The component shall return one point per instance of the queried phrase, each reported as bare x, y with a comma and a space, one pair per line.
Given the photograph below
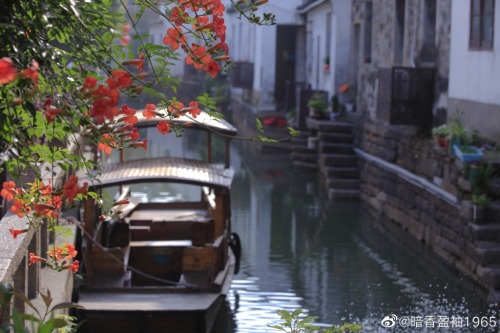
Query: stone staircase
304, 156
337, 161
329, 148
484, 251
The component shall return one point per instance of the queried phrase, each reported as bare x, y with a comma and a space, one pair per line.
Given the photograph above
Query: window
367, 48
328, 39
481, 24
428, 52
399, 31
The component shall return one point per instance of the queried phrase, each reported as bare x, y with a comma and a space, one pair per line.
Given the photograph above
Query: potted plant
479, 175
467, 153
317, 106
441, 136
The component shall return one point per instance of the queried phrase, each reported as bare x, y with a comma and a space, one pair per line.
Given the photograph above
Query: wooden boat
159, 265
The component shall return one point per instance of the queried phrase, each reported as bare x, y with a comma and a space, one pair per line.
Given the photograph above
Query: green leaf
266, 139
65, 305
285, 315
278, 327
18, 323
26, 301
293, 132
259, 125
47, 298
58, 323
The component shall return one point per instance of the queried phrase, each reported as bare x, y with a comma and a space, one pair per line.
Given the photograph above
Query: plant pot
313, 113
470, 154
442, 142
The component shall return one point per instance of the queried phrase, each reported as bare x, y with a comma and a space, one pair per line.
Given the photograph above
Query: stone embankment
427, 193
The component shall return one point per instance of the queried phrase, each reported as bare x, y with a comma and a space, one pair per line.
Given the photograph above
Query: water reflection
336, 261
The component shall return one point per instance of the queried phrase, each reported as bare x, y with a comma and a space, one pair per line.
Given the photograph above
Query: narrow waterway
336, 261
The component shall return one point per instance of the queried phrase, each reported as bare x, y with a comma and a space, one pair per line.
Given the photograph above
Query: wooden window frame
480, 43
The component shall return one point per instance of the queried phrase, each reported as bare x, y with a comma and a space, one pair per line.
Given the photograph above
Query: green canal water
336, 261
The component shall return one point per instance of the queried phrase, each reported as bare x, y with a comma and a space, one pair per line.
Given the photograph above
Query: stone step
335, 137
488, 253
341, 172
305, 157
299, 141
304, 150
336, 148
484, 232
339, 160
329, 126
343, 194
490, 276
275, 147
305, 166
343, 184
335, 126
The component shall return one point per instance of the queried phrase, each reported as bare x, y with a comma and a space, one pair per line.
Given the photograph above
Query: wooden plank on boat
185, 315
202, 258
165, 169
199, 259
167, 215
159, 259
202, 232
137, 301
161, 243
109, 260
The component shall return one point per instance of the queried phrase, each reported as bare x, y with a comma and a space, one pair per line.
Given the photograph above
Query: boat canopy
202, 121
165, 169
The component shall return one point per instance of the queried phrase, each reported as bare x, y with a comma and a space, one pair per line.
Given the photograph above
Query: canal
336, 260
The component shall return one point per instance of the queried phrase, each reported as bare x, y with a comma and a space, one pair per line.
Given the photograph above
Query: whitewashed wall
473, 74
473, 87
339, 45
257, 44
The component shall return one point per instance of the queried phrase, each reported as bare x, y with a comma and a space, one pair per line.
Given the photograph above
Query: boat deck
156, 215
144, 301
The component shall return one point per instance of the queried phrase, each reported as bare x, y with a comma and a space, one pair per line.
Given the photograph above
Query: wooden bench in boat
163, 244
172, 259
199, 232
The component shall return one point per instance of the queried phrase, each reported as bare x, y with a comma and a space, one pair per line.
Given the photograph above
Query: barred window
481, 24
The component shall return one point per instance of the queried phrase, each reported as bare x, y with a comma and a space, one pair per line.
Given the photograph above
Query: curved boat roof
202, 121
166, 169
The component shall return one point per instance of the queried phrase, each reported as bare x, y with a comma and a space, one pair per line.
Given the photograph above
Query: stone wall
409, 149
420, 48
424, 190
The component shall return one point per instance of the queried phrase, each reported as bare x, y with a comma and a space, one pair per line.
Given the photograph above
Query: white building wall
265, 64
473, 74
341, 45
257, 44
339, 53
317, 77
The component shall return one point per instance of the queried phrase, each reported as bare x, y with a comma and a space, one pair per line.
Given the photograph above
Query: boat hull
151, 313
